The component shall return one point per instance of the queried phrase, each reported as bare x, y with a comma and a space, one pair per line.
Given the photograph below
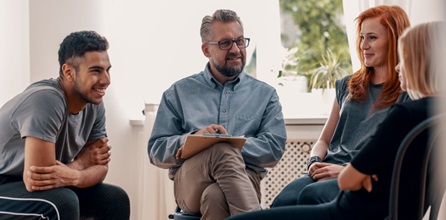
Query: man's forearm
75, 165
92, 176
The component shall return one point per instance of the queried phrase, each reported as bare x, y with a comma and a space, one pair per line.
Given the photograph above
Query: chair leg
435, 209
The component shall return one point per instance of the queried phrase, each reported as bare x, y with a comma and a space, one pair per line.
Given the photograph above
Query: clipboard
196, 143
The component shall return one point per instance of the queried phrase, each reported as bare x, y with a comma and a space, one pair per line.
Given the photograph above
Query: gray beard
229, 72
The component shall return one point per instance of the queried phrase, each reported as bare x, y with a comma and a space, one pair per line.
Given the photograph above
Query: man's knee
213, 200
66, 204
213, 194
104, 201
115, 198
114, 192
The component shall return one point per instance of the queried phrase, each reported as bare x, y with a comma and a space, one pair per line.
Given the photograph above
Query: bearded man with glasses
221, 180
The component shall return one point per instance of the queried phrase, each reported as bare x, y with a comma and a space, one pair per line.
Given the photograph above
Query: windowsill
302, 109
305, 121
306, 108
288, 121
137, 122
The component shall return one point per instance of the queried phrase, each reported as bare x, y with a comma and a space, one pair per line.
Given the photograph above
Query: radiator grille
290, 167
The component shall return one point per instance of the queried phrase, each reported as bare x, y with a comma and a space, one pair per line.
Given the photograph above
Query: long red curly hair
395, 19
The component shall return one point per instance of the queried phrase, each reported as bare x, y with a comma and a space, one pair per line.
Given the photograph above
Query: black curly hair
76, 44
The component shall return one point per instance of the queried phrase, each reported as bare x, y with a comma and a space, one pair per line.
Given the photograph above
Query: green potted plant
326, 73
319, 76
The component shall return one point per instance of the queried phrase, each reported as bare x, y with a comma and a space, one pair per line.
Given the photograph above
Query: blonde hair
419, 49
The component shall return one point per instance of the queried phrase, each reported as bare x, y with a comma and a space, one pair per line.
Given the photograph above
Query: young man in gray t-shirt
54, 148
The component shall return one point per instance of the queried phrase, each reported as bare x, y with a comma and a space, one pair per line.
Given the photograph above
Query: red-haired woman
362, 101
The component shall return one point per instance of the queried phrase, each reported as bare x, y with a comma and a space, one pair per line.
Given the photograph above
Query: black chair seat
178, 214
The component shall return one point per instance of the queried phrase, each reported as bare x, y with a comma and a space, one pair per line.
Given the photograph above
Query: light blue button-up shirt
244, 107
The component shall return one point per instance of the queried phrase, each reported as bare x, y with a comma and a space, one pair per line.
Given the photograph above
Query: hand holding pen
212, 129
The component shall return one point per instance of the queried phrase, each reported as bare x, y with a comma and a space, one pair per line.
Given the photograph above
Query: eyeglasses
227, 44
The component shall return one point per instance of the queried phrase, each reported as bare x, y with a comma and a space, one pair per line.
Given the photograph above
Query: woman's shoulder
342, 82
412, 108
342, 85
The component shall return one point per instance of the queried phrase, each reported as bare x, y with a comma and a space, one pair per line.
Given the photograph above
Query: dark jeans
340, 208
298, 212
102, 201
306, 191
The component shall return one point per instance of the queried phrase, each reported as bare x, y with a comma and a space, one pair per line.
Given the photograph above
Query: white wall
50, 21
14, 48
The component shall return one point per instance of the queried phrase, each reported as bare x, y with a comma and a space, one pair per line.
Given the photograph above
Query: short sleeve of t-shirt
98, 131
40, 115
341, 90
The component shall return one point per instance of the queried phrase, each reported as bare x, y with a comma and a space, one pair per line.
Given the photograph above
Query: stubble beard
83, 96
230, 71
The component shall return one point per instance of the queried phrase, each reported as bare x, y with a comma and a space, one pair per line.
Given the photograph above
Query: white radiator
290, 167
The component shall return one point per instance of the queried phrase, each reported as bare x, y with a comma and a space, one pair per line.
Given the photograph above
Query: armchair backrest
423, 177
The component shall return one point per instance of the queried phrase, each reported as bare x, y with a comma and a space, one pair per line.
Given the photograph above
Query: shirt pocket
248, 123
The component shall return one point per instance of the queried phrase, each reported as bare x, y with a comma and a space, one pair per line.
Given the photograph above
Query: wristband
313, 159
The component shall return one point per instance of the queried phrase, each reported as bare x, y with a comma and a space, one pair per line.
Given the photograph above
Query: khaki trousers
216, 183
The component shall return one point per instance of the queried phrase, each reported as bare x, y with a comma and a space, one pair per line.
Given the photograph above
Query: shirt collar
215, 83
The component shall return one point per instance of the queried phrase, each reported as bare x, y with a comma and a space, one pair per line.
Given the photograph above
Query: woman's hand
324, 171
367, 182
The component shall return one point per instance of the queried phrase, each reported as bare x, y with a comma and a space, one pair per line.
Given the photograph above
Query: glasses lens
225, 44
246, 41
241, 43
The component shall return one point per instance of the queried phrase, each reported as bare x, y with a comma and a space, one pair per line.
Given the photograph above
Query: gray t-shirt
41, 112
356, 122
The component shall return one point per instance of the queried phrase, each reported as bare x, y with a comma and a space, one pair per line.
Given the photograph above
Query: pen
216, 135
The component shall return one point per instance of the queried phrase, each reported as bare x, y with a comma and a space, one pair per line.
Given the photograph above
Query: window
314, 53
